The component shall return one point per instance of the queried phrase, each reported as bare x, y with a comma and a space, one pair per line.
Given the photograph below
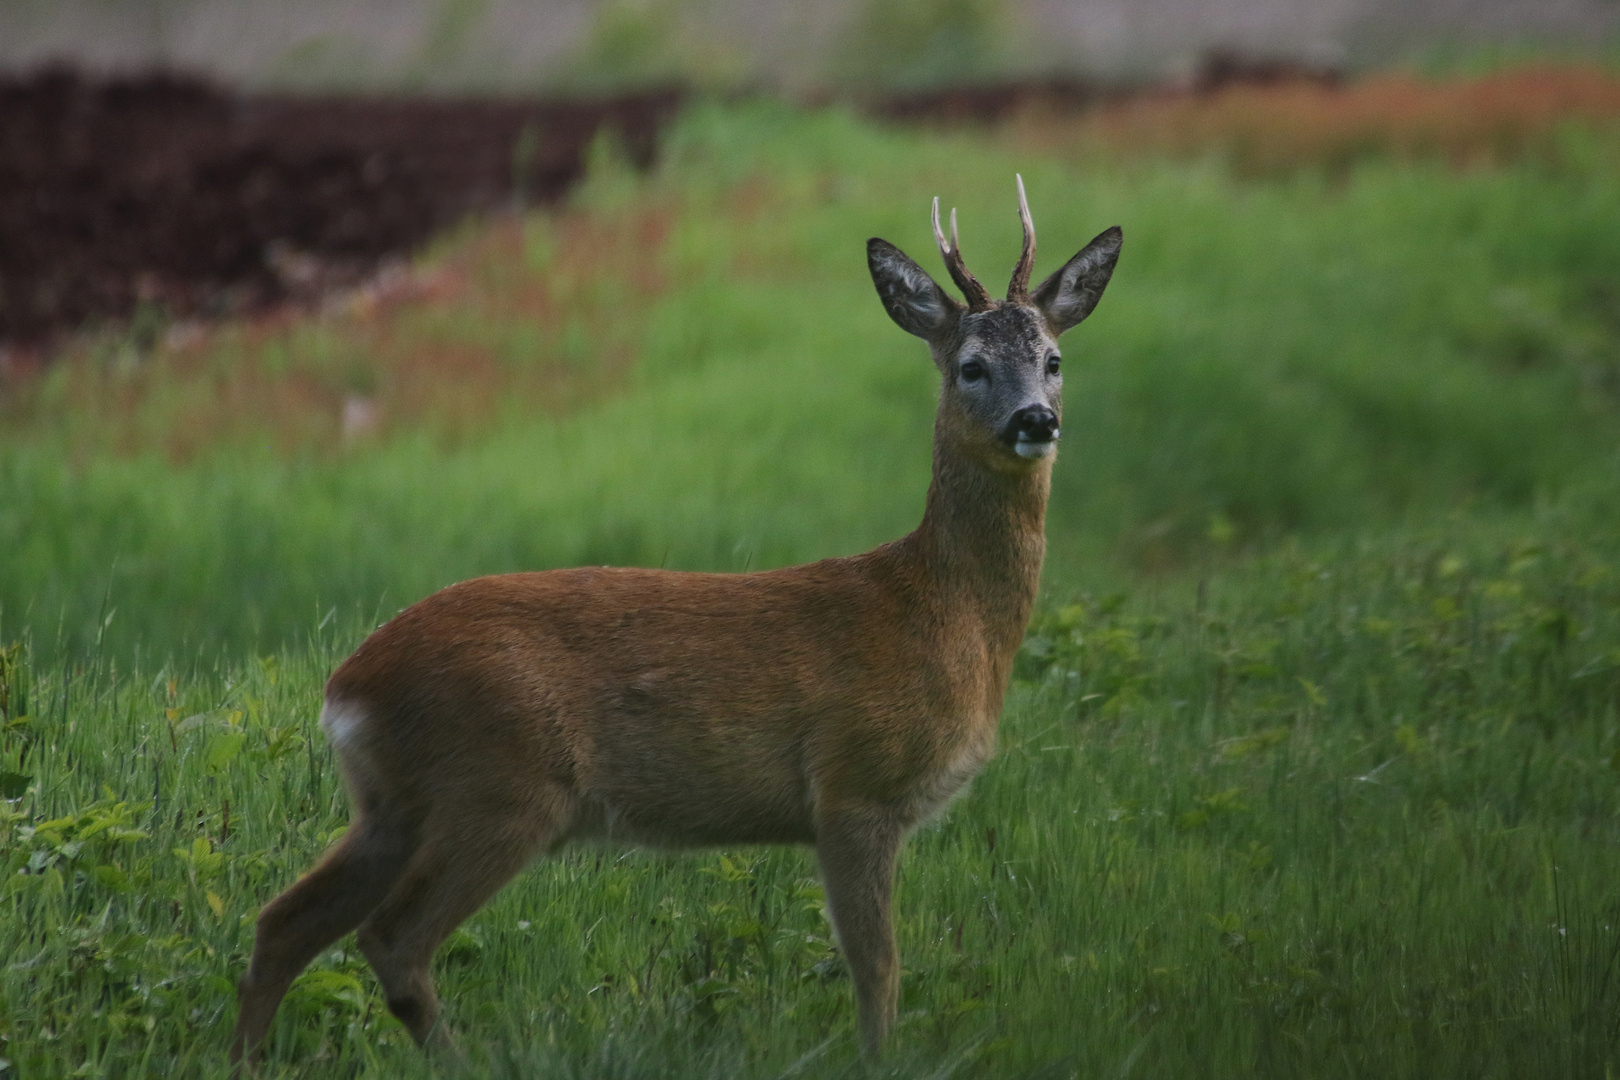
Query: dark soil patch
171, 193
992, 103
165, 196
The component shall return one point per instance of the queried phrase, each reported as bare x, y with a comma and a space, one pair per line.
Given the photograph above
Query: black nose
1035, 423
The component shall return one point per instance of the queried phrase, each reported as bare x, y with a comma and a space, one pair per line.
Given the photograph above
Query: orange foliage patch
1274, 129
517, 317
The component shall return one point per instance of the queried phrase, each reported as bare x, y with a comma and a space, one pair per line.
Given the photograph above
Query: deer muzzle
1033, 431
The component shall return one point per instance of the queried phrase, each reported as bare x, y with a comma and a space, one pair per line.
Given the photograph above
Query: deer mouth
1031, 432
1034, 449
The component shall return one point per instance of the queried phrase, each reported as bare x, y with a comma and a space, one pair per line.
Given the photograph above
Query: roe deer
835, 704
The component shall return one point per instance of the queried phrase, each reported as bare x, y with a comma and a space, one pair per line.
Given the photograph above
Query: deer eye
1054, 364
971, 371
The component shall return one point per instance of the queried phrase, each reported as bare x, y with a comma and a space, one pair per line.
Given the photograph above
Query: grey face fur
1000, 363
1006, 365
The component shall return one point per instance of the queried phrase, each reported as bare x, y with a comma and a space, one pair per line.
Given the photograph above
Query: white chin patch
1027, 449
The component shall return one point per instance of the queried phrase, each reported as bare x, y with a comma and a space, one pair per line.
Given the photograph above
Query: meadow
1311, 765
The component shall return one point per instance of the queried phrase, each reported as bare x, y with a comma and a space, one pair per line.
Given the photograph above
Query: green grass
1311, 766
1339, 818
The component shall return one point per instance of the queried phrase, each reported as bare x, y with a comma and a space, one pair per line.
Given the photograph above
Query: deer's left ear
1068, 296
909, 295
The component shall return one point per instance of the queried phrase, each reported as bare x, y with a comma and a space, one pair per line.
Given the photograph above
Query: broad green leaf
223, 748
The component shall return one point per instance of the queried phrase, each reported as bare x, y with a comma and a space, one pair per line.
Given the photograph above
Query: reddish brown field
1264, 130
510, 315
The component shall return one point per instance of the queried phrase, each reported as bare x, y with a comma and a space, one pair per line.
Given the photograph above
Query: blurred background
511, 45
315, 307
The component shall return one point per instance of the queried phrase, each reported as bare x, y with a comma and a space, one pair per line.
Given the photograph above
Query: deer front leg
857, 848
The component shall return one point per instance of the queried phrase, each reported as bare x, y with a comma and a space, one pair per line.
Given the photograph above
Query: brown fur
835, 704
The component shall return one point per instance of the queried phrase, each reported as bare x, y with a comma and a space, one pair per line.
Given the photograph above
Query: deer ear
1068, 296
909, 295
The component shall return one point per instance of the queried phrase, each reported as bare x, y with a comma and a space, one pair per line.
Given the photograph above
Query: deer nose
1035, 423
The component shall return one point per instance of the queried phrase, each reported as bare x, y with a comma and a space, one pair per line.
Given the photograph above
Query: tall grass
1347, 817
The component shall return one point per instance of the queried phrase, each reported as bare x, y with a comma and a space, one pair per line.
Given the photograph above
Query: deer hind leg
857, 850
451, 876
319, 908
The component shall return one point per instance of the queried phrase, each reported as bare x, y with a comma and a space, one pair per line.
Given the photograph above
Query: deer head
998, 359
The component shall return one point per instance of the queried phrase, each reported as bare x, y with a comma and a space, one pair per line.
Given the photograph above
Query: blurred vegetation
1472, 58
632, 44
445, 38
1312, 760
511, 46
907, 44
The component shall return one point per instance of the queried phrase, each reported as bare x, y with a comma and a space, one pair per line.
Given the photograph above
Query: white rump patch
342, 723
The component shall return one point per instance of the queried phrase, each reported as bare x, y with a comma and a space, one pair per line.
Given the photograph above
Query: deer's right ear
909, 295
1068, 296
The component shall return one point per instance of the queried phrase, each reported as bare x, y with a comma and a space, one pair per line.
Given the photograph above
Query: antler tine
1018, 290
978, 297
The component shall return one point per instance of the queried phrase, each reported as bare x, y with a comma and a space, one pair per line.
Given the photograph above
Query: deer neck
983, 538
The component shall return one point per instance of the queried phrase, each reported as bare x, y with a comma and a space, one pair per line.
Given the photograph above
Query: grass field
1312, 762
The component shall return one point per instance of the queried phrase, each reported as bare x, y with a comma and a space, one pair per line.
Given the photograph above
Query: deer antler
977, 296
1018, 290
